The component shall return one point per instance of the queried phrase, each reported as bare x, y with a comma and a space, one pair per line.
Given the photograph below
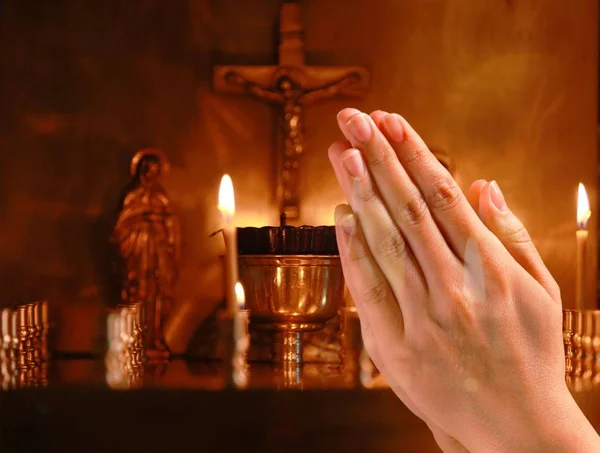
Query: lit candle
240, 323
583, 215
227, 208
241, 341
240, 296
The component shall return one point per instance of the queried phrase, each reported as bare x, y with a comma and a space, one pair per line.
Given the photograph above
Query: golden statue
148, 239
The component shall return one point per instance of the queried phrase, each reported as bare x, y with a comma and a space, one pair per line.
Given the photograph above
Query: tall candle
583, 215
227, 208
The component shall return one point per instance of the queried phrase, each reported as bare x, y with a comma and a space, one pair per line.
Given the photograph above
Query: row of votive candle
581, 335
24, 339
125, 355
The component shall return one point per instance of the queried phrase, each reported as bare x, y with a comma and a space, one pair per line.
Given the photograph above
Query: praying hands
458, 311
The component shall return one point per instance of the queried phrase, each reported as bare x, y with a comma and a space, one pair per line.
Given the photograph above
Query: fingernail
497, 197
348, 224
360, 128
393, 127
353, 162
377, 116
345, 114
345, 219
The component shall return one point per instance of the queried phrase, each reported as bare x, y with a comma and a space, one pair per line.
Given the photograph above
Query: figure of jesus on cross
293, 85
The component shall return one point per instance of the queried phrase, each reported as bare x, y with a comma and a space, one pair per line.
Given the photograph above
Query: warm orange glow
255, 217
583, 207
240, 296
318, 209
226, 198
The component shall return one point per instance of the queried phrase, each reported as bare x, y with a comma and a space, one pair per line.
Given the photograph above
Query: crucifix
292, 84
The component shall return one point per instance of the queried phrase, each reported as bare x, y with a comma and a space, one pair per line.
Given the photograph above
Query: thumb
500, 220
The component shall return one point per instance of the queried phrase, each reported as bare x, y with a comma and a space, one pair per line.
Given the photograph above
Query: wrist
557, 424
567, 429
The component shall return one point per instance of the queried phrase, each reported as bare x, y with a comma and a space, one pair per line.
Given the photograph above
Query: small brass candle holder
581, 337
37, 331
45, 333
132, 342
14, 336
125, 353
23, 346
20, 347
577, 342
114, 358
14, 330
587, 344
7, 353
33, 352
568, 341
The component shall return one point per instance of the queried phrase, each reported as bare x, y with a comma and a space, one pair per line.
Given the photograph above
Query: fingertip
377, 115
483, 202
345, 219
345, 114
353, 162
334, 153
474, 192
488, 213
478, 184
342, 210
491, 201
497, 197
343, 118
337, 148
392, 126
513, 235
409, 135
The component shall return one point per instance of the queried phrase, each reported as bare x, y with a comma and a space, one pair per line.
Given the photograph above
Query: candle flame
583, 207
240, 296
226, 198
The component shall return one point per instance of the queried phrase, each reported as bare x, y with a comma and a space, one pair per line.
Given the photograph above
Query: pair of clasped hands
457, 309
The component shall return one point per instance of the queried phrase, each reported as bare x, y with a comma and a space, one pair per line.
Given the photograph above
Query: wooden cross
291, 84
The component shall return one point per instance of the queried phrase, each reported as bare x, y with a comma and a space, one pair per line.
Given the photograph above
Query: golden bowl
291, 294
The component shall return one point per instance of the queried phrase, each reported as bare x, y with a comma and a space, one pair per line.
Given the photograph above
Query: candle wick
282, 219
215, 233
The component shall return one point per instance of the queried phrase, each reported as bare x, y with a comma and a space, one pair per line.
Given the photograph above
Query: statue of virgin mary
147, 237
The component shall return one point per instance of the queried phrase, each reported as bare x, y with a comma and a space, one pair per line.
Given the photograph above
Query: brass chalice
293, 282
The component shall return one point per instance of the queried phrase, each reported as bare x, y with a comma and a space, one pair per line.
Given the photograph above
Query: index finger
399, 195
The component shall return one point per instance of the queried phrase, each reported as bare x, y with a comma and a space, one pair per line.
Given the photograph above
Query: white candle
583, 215
240, 296
227, 208
240, 326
